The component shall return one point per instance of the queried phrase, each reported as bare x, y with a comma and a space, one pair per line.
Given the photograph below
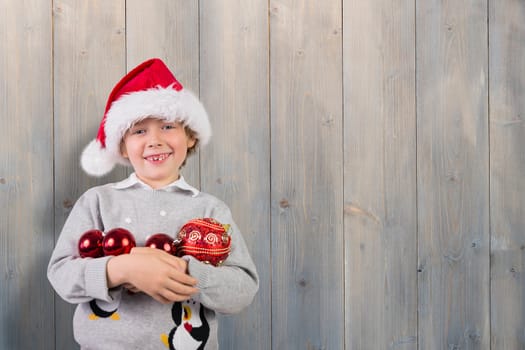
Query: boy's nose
154, 144
154, 140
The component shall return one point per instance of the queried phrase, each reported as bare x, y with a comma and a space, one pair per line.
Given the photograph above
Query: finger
179, 288
149, 251
131, 288
144, 250
183, 278
170, 296
161, 299
174, 261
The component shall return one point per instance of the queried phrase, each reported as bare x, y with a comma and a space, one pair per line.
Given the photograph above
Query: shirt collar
134, 181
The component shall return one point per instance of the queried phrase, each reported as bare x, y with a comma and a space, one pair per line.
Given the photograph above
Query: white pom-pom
95, 160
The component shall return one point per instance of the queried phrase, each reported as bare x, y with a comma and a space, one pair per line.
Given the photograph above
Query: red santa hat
148, 90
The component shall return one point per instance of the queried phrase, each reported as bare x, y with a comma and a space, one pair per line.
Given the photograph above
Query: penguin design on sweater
104, 309
191, 329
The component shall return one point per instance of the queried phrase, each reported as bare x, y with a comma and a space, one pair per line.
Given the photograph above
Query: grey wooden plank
306, 175
507, 173
453, 181
89, 59
168, 30
380, 175
26, 175
236, 165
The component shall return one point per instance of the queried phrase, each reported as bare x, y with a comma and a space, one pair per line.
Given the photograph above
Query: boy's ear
191, 142
123, 150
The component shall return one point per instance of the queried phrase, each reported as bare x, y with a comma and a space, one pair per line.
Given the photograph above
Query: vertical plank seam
199, 80
126, 42
416, 172
489, 177
270, 215
343, 169
53, 299
128, 170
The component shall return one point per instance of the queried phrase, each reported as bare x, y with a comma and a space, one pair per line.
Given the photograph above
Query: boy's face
156, 149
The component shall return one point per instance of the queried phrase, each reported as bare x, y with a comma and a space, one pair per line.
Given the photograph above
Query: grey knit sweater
116, 319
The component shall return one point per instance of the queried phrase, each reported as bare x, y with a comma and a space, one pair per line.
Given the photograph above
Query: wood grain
453, 175
26, 175
380, 175
507, 173
307, 175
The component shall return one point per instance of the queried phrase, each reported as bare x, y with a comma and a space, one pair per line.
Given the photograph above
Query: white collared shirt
133, 181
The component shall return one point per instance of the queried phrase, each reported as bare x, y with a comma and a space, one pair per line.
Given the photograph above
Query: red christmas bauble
162, 241
206, 239
118, 241
90, 244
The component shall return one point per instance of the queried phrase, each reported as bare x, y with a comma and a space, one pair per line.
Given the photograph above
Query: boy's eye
169, 126
138, 131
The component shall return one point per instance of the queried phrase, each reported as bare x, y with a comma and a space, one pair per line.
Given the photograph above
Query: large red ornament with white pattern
206, 239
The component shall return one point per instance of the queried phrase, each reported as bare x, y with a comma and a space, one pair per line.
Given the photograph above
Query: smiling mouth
157, 157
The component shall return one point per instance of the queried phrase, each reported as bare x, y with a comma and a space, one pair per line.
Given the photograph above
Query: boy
148, 299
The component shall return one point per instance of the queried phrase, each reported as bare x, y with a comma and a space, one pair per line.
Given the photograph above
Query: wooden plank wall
370, 150
26, 174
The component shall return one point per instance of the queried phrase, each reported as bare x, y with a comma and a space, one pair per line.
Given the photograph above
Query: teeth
158, 158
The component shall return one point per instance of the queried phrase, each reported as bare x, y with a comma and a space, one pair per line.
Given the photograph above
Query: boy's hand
160, 275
